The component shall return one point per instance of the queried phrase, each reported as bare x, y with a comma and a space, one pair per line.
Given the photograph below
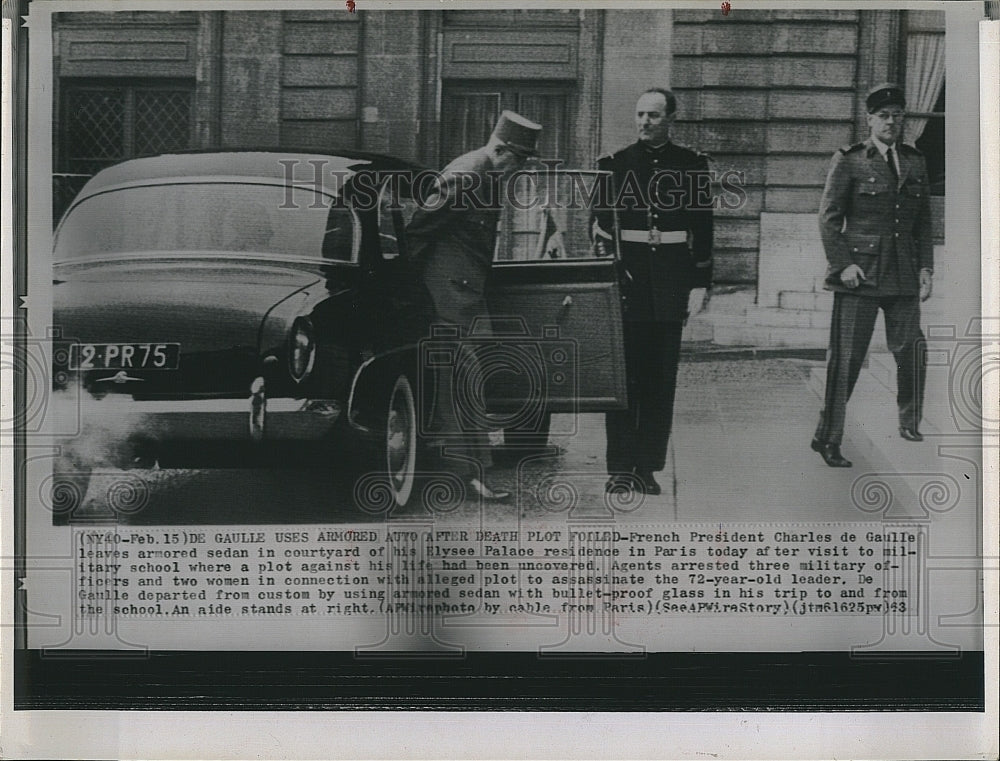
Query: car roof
258, 164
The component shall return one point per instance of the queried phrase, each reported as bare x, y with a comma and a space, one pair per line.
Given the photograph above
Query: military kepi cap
518, 134
885, 94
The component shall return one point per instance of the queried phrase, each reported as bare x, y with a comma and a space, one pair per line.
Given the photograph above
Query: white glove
697, 301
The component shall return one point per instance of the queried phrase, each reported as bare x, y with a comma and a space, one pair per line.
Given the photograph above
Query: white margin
411, 734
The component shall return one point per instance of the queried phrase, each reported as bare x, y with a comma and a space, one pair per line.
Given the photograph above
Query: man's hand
697, 301
600, 238
926, 284
852, 275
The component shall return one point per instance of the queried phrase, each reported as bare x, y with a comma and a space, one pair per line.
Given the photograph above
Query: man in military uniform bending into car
876, 228
453, 241
664, 204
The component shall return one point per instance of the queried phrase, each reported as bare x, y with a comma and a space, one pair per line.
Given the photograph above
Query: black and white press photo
543, 341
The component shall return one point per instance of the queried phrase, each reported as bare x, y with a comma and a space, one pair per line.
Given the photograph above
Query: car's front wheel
400, 449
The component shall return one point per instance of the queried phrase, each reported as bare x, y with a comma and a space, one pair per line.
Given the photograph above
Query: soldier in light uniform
453, 241
876, 227
664, 204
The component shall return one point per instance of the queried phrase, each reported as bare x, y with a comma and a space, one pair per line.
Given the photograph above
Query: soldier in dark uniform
453, 240
664, 203
876, 228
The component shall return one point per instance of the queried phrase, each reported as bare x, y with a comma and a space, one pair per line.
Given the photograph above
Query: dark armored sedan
249, 308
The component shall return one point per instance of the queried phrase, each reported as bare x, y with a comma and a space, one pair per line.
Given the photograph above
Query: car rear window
278, 220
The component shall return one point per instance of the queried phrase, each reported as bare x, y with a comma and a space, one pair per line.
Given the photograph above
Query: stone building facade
770, 93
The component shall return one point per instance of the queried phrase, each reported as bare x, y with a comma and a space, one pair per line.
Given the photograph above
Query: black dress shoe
910, 434
485, 493
831, 454
647, 482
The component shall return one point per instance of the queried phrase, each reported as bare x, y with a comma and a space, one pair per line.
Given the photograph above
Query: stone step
705, 326
787, 318
699, 329
819, 281
770, 336
734, 320
805, 300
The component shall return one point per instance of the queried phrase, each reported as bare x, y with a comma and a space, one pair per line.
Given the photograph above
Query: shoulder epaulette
852, 148
911, 149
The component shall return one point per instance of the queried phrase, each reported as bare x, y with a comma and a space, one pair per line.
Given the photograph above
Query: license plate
123, 356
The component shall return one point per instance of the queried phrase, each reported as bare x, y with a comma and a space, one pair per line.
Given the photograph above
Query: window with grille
105, 122
469, 112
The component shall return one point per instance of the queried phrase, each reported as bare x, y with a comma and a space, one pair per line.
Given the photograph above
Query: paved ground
739, 453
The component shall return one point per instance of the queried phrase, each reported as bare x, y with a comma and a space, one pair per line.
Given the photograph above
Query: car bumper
238, 420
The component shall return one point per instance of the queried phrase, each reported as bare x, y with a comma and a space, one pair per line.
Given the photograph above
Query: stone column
251, 77
637, 55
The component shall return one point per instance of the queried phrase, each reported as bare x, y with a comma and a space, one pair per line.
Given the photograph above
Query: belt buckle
654, 237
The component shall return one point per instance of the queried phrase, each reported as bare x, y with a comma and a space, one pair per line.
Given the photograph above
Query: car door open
554, 297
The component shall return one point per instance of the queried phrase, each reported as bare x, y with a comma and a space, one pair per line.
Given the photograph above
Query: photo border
77, 683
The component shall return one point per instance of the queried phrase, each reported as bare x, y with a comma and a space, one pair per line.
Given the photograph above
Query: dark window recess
106, 122
467, 120
931, 143
94, 128
470, 110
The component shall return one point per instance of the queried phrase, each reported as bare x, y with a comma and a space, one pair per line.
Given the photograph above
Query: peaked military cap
518, 134
885, 94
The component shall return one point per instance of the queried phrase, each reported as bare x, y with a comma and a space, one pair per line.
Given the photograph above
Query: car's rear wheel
401, 440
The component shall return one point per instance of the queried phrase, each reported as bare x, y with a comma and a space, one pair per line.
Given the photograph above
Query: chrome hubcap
401, 440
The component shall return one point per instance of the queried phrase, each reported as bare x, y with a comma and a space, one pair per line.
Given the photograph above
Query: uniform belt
654, 237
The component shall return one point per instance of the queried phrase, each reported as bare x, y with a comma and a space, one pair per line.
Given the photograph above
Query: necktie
890, 160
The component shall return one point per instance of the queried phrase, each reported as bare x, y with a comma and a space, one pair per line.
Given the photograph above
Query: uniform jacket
665, 189
453, 239
866, 218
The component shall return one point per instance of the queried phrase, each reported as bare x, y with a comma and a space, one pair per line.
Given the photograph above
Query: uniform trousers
851, 328
637, 437
455, 423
